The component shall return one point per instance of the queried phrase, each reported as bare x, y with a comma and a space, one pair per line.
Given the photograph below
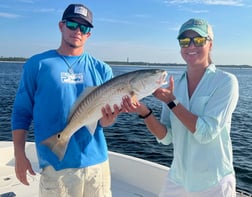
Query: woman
196, 118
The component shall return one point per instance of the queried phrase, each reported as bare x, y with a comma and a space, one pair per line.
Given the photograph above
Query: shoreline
120, 63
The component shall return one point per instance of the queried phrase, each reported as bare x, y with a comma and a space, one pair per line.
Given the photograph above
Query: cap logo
80, 10
194, 22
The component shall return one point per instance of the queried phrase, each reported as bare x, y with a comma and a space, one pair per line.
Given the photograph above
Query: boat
131, 176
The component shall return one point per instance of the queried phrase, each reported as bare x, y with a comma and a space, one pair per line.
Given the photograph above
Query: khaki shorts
225, 188
92, 181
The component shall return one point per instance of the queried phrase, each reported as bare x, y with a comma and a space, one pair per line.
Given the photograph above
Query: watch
173, 104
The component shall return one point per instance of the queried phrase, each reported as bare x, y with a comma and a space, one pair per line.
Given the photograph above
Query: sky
129, 30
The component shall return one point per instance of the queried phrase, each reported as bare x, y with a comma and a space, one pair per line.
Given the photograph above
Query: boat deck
124, 184
131, 177
9, 184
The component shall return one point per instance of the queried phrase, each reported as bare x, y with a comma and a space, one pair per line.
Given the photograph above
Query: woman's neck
194, 75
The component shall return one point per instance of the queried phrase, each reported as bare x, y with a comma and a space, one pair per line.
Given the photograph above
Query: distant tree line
142, 63
21, 59
165, 64
108, 62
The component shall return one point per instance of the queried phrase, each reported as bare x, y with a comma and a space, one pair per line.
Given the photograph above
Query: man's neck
70, 51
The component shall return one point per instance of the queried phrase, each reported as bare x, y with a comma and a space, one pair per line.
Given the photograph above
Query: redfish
87, 109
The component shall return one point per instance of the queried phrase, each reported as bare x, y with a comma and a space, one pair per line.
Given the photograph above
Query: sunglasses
74, 25
197, 41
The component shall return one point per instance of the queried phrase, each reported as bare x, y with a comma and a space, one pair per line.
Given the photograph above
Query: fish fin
91, 127
57, 144
87, 91
80, 98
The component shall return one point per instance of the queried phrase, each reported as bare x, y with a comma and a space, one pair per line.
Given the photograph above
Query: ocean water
129, 134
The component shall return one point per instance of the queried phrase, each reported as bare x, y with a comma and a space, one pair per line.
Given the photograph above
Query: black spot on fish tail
57, 144
132, 93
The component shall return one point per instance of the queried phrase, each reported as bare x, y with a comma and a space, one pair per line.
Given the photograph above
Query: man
50, 84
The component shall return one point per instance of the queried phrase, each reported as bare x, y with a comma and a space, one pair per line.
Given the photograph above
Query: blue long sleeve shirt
46, 94
202, 159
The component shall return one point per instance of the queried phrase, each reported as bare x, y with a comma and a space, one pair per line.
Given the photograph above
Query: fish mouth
162, 79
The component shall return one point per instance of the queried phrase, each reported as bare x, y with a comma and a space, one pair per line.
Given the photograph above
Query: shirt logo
73, 78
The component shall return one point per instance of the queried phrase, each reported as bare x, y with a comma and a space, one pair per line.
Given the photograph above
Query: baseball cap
78, 11
198, 25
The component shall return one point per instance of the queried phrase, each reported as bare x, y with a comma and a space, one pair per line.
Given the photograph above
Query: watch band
173, 104
147, 115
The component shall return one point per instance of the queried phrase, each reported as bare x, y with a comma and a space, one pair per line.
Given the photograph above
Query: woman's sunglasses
197, 41
74, 25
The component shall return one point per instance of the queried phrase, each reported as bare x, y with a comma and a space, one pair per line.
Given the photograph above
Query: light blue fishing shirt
46, 94
202, 159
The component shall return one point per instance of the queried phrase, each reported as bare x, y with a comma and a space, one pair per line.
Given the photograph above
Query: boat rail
242, 193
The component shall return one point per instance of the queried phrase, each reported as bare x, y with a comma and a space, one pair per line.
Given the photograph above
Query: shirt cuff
166, 140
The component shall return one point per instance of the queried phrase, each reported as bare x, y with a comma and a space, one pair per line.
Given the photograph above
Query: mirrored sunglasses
197, 41
74, 25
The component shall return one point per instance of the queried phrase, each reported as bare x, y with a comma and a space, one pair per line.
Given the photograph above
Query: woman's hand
134, 107
166, 94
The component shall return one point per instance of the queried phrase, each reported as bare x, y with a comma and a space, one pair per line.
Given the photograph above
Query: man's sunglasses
74, 25
197, 41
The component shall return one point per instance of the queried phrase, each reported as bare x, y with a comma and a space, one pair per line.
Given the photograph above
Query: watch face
173, 104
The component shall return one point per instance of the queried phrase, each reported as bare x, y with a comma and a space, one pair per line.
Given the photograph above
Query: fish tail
57, 144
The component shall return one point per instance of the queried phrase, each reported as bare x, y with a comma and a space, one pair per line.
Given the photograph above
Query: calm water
129, 134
